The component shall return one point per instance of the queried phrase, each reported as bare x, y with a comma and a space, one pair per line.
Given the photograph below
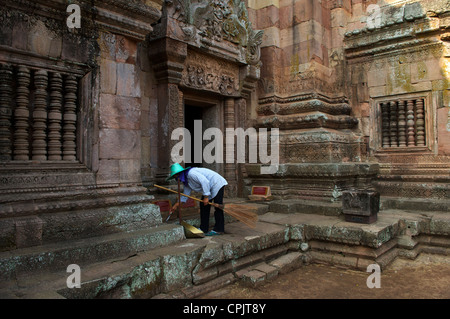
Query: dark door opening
192, 113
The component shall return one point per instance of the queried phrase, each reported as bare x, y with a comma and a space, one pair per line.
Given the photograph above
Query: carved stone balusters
39, 145
401, 124
393, 127
21, 115
5, 111
54, 118
420, 123
385, 124
70, 119
410, 123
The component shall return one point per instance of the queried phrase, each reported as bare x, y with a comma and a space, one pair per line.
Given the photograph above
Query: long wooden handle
194, 198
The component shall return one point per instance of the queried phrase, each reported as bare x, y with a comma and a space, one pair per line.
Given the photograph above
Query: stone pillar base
312, 181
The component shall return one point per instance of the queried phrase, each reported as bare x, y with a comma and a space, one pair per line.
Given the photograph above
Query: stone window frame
375, 139
82, 74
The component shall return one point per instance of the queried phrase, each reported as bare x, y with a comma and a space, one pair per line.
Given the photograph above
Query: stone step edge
250, 270
252, 275
58, 256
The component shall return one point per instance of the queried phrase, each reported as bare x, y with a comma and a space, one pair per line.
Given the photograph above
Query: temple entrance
192, 114
199, 116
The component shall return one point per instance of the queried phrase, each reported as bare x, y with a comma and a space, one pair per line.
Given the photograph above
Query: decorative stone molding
308, 111
205, 73
208, 23
316, 181
129, 18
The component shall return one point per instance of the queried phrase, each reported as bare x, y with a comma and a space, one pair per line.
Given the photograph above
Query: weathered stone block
288, 262
108, 171
360, 206
120, 144
128, 83
7, 234
108, 76
254, 278
204, 276
130, 171
28, 231
125, 50
178, 266
270, 271
119, 112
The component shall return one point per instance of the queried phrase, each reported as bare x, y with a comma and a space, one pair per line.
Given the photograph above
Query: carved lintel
205, 73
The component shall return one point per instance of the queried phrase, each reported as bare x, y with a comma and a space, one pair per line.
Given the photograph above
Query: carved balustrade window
403, 123
38, 114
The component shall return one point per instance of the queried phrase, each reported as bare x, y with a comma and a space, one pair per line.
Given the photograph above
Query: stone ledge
55, 257
291, 206
307, 227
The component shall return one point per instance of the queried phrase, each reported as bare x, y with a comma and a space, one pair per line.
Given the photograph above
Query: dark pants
218, 214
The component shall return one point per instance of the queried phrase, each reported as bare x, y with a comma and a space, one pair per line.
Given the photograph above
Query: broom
243, 215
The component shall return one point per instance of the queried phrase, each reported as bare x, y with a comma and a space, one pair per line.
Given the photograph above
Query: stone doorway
192, 114
199, 116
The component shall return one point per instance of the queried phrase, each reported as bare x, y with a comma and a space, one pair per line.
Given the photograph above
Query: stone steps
57, 256
279, 243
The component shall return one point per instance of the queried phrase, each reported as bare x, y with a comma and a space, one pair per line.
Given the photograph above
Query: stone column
170, 117
40, 116
5, 111
420, 123
70, 119
167, 57
55, 117
410, 122
21, 114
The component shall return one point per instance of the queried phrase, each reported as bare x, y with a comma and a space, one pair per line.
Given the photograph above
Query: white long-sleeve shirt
203, 180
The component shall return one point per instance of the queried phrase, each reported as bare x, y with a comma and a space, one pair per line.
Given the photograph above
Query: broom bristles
244, 215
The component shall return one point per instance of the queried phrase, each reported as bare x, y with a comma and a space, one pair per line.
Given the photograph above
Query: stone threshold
280, 243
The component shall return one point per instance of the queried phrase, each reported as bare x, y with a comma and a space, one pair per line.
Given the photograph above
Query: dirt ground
427, 277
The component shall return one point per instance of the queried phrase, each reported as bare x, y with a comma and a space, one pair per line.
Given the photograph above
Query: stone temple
358, 91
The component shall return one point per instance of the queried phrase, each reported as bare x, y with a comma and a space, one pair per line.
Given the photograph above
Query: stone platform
187, 268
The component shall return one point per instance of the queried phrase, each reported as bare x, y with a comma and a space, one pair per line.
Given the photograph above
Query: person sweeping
211, 185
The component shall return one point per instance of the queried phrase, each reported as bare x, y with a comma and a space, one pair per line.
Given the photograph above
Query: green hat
175, 169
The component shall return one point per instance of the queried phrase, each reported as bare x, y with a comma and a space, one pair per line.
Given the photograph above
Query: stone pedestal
360, 206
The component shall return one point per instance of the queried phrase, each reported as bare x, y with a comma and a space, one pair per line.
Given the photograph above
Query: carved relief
217, 20
202, 72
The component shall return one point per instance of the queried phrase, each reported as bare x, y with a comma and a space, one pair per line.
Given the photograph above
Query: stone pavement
188, 268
